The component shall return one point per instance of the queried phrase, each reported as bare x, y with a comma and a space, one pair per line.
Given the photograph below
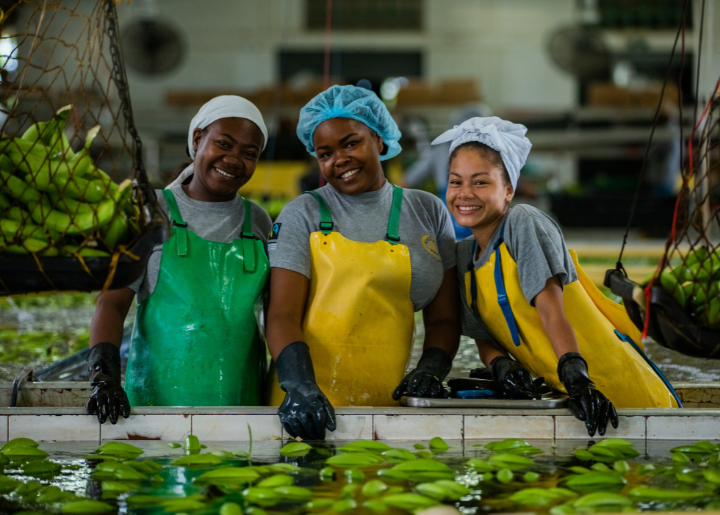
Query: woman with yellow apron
195, 340
351, 263
525, 295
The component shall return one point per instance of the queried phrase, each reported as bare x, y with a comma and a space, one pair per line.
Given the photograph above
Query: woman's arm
586, 402
288, 296
488, 352
108, 399
305, 411
110, 312
549, 304
442, 338
442, 316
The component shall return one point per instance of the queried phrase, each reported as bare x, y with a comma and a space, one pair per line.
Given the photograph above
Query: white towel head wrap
224, 106
506, 137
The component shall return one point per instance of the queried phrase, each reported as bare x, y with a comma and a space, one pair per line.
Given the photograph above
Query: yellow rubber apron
359, 318
606, 335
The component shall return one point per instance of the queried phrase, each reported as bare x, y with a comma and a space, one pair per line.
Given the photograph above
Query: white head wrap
506, 137
224, 106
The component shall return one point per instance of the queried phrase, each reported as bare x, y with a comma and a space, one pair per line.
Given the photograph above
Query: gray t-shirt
425, 228
215, 221
535, 242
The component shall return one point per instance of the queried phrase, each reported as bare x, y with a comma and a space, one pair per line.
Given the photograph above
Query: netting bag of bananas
678, 304
76, 209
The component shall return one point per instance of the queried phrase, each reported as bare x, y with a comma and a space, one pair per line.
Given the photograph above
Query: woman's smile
346, 176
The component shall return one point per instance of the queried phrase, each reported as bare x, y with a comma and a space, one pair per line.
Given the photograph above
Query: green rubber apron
195, 341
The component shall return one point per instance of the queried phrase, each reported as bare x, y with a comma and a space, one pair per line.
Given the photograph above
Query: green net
77, 209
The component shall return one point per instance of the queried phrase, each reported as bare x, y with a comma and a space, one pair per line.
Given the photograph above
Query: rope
113, 265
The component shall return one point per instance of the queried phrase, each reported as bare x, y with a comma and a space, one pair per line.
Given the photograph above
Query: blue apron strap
627, 339
500, 286
502, 292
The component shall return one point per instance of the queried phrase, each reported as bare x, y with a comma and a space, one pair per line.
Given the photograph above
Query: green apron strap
248, 239
394, 220
180, 225
326, 223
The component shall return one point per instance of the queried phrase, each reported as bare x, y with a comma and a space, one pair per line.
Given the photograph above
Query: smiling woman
195, 340
525, 296
351, 263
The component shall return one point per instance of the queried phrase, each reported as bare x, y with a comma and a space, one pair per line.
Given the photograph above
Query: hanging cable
697, 71
328, 41
671, 238
636, 197
277, 104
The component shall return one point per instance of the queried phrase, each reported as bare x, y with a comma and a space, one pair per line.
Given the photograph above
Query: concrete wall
234, 44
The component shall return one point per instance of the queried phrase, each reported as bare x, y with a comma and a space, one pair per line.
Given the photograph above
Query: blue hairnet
349, 102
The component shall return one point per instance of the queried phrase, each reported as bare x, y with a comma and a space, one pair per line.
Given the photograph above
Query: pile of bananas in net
695, 285
55, 201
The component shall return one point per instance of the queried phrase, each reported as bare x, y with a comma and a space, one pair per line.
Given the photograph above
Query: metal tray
418, 402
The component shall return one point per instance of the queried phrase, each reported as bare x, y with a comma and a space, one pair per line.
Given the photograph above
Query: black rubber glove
426, 380
586, 402
515, 381
305, 412
108, 399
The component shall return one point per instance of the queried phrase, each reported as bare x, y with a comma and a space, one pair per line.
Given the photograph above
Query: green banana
32, 157
670, 282
69, 205
84, 252
697, 272
4, 202
74, 187
52, 134
12, 229
696, 291
117, 230
16, 187
73, 224
29, 245
698, 255
713, 313
82, 164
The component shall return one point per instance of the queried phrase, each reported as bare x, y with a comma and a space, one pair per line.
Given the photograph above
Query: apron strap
473, 298
248, 239
502, 292
326, 223
627, 339
392, 235
178, 222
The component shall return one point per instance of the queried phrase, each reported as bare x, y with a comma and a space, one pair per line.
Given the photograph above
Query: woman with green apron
351, 264
195, 340
532, 311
